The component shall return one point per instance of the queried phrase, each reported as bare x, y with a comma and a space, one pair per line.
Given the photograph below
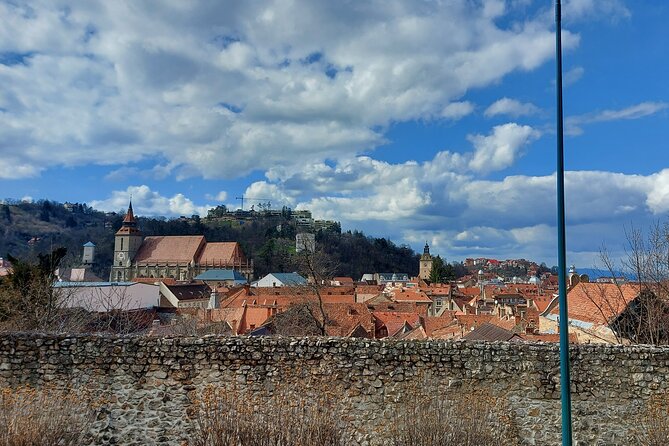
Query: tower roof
130, 215
129, 225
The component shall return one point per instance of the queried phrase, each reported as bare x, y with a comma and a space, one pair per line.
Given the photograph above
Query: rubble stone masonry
151, 382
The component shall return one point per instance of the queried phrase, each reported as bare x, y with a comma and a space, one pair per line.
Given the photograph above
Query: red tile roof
221, 253
343, 319
598, 303
394, 321
411, 296
172, 249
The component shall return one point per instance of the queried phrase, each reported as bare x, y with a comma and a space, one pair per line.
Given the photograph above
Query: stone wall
150, 382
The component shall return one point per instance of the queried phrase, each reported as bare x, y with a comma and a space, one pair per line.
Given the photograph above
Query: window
121, 244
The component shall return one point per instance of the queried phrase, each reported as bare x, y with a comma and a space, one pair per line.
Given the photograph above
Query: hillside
268, 237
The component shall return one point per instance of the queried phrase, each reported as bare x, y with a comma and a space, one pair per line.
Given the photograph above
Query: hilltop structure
175, 257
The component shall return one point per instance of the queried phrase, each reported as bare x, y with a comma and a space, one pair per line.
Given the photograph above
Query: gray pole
562, 248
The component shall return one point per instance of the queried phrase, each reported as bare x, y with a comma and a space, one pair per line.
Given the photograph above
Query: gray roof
290, 278
221, 274
89, 245
489, 332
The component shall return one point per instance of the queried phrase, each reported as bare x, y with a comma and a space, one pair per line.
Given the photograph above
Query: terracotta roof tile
172, 248
411, 296
223, 253
394, 321
598, 303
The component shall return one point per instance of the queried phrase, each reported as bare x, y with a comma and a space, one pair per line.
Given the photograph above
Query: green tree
441, 271
27, 299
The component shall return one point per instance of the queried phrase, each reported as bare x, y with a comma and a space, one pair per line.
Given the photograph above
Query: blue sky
409, 120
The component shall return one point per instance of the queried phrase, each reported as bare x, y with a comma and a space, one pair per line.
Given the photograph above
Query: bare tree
637, 311
318, 269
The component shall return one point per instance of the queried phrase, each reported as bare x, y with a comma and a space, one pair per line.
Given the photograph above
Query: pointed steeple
426, 249
129, 224
130, 215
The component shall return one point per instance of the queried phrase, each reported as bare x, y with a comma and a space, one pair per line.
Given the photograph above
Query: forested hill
27, 229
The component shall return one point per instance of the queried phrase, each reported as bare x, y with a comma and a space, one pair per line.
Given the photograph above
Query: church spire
426, 249
130, 215
129, 224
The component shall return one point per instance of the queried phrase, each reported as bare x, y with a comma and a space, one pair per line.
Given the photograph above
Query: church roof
221, 253
172, 248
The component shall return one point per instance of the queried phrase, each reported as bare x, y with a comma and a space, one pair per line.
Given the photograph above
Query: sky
412, 120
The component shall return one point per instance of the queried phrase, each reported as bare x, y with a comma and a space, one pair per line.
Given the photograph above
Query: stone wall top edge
325, 341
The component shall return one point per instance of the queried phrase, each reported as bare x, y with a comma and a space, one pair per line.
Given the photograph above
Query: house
280, 279
418, 298
394, 323
393, 279
177, 257
593, 309
108, 296
185, 295
222, 278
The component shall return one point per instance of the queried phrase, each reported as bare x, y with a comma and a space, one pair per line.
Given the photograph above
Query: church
181, 257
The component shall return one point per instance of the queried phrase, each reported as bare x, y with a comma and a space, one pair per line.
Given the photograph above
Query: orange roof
541, 302
394, 321
411, 296
172, 248
368, 289
598, 303
435, 323
343, 280
344, 318
473, 320
470, 291
549, 337
221, 253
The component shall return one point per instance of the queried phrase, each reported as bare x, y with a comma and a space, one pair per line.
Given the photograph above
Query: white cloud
572, 76
573, 124
511, 107
247, 86
150, 203
221, 196
457, 110
501, 148
600, 9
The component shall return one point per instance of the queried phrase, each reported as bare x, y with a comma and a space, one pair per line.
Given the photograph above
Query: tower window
121, 244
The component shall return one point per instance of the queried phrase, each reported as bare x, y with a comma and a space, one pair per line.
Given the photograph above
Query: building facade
175, 257
425, 263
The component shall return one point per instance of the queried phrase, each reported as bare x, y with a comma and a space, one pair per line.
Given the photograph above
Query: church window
121, 244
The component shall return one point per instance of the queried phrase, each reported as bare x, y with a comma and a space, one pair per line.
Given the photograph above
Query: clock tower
425, 263
127, 241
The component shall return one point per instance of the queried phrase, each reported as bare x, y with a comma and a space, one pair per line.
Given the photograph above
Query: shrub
653, 423
467, 418
44, 417
225, 418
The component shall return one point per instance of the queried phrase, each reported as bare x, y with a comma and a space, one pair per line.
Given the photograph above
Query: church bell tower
127, 241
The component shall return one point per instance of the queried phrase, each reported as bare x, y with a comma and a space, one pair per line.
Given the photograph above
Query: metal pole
562, 263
